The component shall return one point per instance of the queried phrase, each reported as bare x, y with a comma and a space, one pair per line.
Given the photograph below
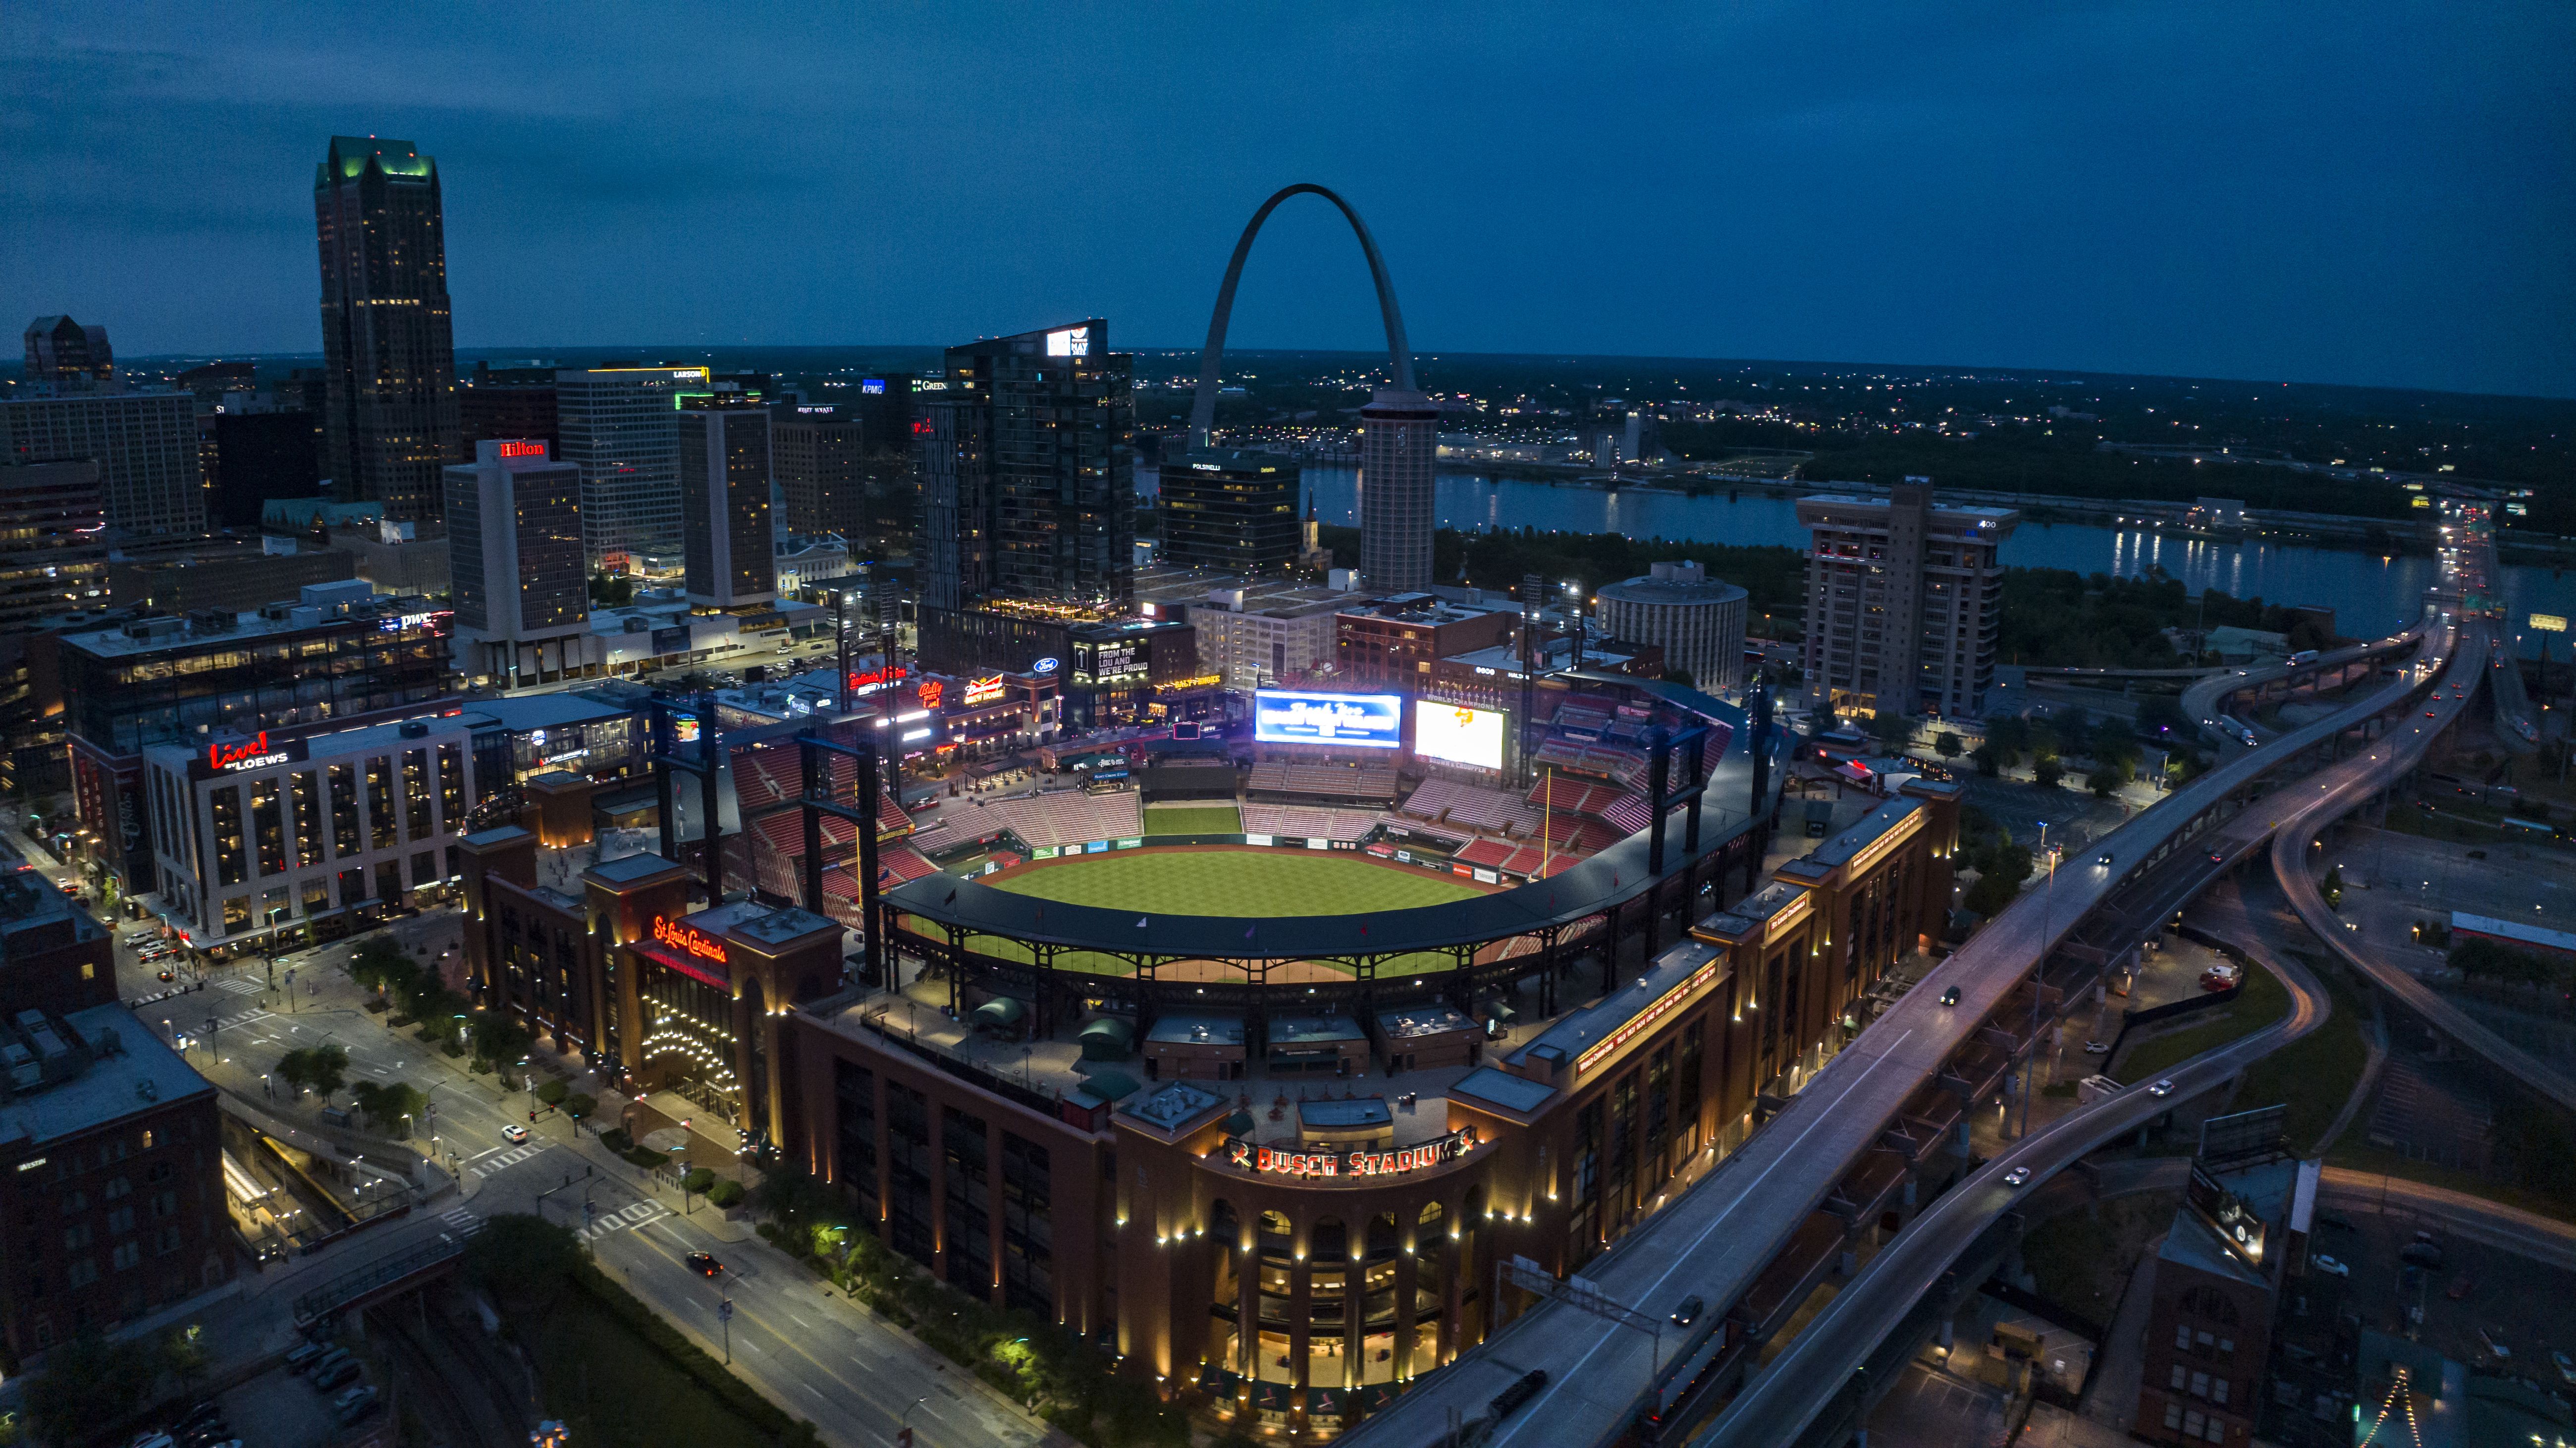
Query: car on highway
1950, 997
2161, 1088
2097, 1048
704, 1264
2494, 1343
2016, 1176
2330, 1266
2216, 858
2431, 714
1689, 1311
2103, 858
514, 1133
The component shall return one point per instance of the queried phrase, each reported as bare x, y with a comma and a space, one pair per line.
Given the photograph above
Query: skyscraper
514, 552
728, 540
620, 425
847, 467
62, 350
388, 353
1230, 511
1902, 601
145, 445
1399, 442
1028, 481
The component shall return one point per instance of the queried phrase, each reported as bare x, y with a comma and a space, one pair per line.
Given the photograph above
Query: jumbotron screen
1362, 721
1458, 734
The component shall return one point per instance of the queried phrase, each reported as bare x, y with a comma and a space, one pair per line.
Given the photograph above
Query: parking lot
2518, 1302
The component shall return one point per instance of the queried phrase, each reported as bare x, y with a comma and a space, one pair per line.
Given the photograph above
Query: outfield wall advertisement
1361, 721
1458, 734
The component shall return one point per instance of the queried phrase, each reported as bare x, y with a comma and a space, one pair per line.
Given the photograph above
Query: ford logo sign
1043, 666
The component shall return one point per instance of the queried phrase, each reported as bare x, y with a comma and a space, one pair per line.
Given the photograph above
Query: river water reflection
2367, 592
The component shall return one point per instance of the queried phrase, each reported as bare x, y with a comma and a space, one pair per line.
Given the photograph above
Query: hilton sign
1272, 1161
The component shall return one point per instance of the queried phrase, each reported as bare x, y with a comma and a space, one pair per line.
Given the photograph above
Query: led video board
1458, 734
1363, 721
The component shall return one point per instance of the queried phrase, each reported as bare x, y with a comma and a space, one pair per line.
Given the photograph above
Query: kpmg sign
1365, 721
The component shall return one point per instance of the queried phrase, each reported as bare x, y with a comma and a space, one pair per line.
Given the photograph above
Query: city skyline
2391, 205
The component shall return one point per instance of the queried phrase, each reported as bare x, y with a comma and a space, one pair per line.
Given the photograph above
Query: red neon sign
229, 756
877, 678
930, 693
688, 939
523, 449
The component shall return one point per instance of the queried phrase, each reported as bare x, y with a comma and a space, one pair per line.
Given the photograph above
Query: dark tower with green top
388, 351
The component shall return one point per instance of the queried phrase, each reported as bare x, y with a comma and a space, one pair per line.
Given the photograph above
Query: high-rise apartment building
1903, 601
1698, 621
847, 467
1399, 442
145, 445
515, 554
729, 541
388, 353
1028, 474
621, 426
62, 350
1230, 511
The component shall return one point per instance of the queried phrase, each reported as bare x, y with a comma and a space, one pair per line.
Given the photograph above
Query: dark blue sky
2349, 192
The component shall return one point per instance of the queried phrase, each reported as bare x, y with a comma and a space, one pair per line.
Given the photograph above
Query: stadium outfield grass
1242, 883
1192, 819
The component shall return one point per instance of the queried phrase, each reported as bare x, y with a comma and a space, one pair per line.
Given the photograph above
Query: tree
1946, 744
2333, 888
525, 1262
1989, 895
386, 1105
183, 1353
1891, 729
1988, 759
552, 1091
382, 966
612, 590
318, 1069
2047, 771
88, 1381
2107, 778
580, 1104
498, 1038
2161, 715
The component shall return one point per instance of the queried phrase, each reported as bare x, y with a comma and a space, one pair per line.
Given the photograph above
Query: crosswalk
241, 985
506, 1159
462, 1222
633, 1216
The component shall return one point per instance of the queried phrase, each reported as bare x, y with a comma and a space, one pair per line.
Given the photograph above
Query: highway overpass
1717, 1239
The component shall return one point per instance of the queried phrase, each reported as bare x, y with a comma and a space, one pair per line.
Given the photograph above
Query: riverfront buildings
1903, 601
1697, 620
388, 354
1230, 512
1399, 443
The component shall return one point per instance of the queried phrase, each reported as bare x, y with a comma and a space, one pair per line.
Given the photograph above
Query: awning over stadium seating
1108, 1039
1000, 1013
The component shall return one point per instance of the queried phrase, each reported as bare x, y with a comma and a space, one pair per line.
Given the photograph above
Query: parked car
331, 1358
2330, 1266
335, 1375
1689, 1311
360, 1397
305, 1352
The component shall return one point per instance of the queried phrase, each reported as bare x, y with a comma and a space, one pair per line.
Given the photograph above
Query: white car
2097, 1048
2016, 1176
2161, 1088
2330, 1266
514, 1133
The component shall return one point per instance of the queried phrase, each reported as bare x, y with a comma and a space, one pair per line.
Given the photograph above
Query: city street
809, 1349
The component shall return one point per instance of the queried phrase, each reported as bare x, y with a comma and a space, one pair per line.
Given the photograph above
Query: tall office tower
515, 553
62, 350
1399, 442
507, 402
725, 513
389, 356
1229, 511
1903, 600
817, 451
145, 445
1027, 467
621, 426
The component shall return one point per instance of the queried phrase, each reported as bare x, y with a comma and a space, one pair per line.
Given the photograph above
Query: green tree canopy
381, 965
525, 1262
386, 1105
87, 1382
321, 1070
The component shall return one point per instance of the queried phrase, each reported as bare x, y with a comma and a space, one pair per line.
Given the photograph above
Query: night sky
2353, 192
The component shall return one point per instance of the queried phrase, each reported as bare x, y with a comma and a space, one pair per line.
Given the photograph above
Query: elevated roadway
2347, 787
1715, 1239
1797, 1387
2203, 702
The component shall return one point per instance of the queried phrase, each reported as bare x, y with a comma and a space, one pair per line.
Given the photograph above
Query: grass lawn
610, 1385
2264, 1001
2358, 1154
1243, 883
2315, 1074
2084, 1263
1193, 819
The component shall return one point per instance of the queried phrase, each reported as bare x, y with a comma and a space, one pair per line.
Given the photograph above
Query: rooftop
1580, 1030
1189, 1028
541, 711
130, 1070
1433, 1018
1345, 1114
1486, 1086
1843, 848
629, 869
2193, 1243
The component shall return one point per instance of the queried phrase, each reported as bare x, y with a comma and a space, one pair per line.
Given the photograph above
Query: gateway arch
1399, 428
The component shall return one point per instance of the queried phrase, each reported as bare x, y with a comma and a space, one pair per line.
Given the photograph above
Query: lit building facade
1229, 511
389, 422
728, 538
151, 477
1399, 447
1904, 599
621, 427
514, 545
1697, 621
